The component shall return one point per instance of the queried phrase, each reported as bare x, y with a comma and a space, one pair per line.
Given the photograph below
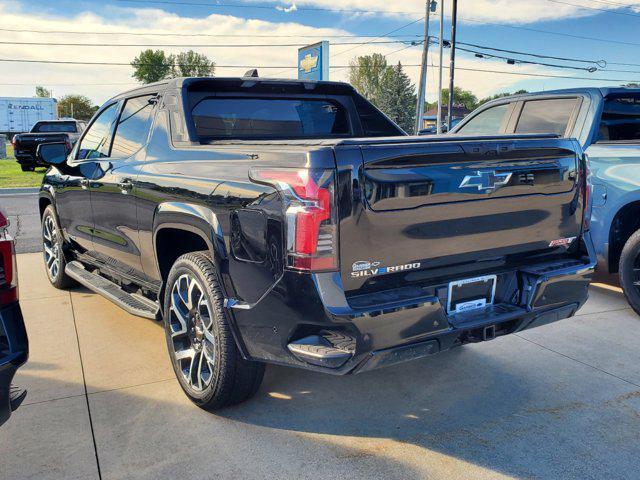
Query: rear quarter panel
615, 179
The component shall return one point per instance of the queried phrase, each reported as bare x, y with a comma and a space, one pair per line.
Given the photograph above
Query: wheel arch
193, 227
185, 228
623, 224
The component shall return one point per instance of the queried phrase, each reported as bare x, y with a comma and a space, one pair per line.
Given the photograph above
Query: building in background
430, 116
19, 114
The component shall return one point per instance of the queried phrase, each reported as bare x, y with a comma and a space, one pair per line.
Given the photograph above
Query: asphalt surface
558, 402
24, 218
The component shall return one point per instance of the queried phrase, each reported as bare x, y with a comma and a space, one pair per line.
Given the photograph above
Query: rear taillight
8, 272
309, 207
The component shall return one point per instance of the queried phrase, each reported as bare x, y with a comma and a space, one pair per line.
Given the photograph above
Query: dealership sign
313, 62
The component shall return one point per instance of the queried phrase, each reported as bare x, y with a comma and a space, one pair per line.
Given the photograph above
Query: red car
14, 346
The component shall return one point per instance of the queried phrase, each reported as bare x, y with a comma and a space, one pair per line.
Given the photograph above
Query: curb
19, 191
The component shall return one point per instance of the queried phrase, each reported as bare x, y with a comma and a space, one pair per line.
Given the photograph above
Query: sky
600, 33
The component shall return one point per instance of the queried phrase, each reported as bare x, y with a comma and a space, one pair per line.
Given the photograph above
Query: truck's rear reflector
309, 205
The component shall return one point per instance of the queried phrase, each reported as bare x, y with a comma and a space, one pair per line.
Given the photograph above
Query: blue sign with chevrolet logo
313, 62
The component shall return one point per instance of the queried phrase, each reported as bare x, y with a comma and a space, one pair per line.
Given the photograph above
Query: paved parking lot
562, 401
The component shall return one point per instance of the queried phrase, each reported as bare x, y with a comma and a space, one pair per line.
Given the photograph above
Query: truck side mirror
52, 153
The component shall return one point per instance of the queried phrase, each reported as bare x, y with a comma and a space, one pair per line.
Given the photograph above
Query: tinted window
546, 116
487, 122
374, 123
620, 118
69, 127
238, 118
133, 127
95, 143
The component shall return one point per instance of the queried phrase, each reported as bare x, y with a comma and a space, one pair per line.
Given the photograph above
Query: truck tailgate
458, 203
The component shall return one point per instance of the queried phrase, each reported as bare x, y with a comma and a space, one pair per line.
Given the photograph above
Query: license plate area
471, 294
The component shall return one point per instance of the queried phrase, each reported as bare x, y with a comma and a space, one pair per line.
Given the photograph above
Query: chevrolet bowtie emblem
486, 180
307, 63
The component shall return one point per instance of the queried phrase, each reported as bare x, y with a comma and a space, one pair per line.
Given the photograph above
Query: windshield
269, 118
49, 127
620, 118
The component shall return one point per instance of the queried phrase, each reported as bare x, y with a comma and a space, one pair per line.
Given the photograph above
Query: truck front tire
204, 355
53, 250
629, 271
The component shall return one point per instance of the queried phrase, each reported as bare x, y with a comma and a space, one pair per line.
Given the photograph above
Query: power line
528, 62
600, 63
293, 67
212, 35
204, 45
585, 7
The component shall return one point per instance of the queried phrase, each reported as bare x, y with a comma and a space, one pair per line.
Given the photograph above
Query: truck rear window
269, 118
620, 119
50, 127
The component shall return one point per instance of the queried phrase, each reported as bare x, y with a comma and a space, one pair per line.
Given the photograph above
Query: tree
76, 106
42, 92
460, 97
192, 64
500, 95
151, 66
398, 99
366, 74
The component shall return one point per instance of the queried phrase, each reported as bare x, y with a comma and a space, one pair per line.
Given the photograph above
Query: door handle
125, 186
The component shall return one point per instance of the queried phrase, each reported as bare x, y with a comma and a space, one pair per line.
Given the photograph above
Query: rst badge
562, 242
365, 268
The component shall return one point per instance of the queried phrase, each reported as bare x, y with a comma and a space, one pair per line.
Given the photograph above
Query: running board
131, 302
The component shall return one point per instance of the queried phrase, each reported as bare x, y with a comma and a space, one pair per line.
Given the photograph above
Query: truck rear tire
204, 355
629, 271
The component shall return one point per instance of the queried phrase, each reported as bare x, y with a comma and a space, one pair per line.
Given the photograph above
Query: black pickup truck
289, 222
46, 131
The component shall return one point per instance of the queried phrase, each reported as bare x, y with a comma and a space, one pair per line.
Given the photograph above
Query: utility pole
423, 73
439, 117
452, 62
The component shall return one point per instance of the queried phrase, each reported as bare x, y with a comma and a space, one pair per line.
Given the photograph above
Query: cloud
508, 11
289, 9
102, 82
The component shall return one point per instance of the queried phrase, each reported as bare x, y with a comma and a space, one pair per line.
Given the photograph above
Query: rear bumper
13, 354
27, 159
395, 326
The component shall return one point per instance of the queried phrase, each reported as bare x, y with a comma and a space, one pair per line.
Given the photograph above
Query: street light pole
423, 73
452, 62
439, 117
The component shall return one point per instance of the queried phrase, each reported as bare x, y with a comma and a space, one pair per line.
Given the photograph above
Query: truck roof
320, 87
600, 91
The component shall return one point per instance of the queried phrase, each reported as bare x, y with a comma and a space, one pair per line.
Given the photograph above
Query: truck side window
546, 116
487, 122
95, 143
133, 127
620, 118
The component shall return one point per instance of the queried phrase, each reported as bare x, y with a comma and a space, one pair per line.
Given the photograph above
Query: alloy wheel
191, 325
50, 247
